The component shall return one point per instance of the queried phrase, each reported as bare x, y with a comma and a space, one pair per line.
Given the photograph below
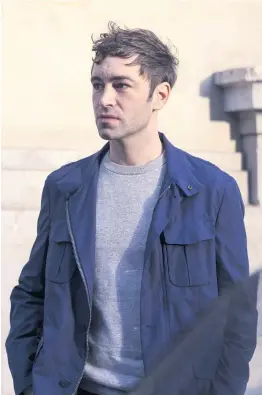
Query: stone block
242, 88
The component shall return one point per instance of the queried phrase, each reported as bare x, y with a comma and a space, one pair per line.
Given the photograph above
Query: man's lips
107, 116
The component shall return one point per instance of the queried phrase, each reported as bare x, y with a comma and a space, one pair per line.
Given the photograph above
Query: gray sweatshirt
126, 198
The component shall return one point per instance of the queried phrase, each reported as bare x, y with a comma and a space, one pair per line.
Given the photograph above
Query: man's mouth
108, 117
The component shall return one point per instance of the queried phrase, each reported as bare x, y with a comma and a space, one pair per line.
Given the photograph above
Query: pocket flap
59, 232
182, 234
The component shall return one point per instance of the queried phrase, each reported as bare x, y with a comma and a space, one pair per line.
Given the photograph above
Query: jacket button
189, 187
64, 383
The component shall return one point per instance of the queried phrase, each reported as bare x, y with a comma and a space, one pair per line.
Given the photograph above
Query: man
132, 243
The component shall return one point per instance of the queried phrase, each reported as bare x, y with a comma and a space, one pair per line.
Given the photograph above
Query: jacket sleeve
233, 273
27, 304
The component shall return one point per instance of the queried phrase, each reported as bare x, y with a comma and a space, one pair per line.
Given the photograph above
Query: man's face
120, 98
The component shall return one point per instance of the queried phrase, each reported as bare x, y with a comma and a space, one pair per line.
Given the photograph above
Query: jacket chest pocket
60, 263
189, 252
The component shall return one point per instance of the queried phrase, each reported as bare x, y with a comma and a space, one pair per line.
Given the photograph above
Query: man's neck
136, 151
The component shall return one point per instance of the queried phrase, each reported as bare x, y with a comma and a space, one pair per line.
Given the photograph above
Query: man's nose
108, 98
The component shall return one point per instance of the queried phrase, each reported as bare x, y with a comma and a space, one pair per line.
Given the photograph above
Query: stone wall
47, 59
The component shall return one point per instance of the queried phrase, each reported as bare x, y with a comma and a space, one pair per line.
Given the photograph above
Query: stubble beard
122, 131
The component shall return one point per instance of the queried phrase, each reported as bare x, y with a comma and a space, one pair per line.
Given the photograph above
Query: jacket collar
179, 170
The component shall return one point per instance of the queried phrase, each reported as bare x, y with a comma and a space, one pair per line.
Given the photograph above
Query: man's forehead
114, 66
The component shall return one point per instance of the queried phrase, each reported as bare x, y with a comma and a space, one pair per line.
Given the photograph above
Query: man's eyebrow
112, 79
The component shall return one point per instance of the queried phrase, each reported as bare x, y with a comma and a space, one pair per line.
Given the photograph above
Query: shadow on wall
216, 105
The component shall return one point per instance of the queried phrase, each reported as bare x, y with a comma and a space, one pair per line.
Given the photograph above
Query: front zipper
164, 285
165, 294
85, 285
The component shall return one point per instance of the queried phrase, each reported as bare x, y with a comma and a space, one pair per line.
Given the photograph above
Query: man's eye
97, 86
120, 85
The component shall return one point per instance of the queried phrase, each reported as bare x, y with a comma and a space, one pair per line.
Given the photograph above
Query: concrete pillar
243, 96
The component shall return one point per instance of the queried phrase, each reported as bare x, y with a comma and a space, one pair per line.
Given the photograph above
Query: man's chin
107, 134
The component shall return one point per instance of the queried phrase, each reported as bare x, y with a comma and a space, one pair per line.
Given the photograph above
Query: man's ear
161, 95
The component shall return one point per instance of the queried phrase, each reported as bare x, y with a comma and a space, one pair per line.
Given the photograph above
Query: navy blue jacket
196, 248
